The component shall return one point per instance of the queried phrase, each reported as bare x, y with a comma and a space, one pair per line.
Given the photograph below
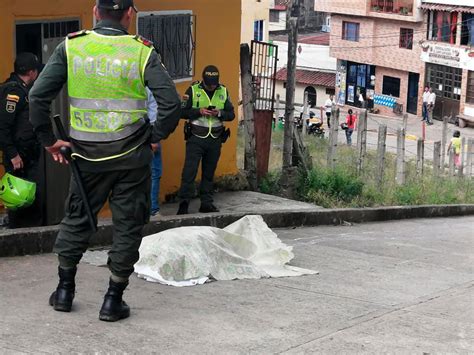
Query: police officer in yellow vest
206, 105
106, 71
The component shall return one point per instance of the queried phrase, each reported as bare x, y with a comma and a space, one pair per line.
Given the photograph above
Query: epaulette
77, 34
195, 82
145, 41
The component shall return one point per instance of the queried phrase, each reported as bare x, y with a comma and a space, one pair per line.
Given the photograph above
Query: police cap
210, 75
116, 4
26, 61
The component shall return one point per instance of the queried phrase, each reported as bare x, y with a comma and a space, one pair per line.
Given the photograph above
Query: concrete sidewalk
400, 287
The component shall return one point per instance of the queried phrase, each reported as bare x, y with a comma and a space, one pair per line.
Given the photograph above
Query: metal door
412, 99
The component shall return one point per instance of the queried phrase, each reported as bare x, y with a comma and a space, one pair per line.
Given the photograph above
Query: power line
397, 33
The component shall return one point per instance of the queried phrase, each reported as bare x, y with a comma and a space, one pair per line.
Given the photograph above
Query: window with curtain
467, 30
442, 26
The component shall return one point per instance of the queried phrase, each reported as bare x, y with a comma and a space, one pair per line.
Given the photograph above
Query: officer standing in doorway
207, 105
107, 72
19, 144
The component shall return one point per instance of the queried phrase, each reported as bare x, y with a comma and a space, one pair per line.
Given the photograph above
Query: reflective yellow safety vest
106, 87
202, 100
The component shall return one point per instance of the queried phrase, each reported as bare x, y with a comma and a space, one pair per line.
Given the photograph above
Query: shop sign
451, 56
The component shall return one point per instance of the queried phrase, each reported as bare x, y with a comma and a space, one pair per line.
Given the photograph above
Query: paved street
414, 131
398, 287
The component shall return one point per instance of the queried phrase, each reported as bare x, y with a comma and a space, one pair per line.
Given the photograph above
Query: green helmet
16, 193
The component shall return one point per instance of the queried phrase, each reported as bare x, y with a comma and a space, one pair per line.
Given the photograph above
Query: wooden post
361, 140
405, 121
277, 110
400, 156
249, 124
381, 146
451, 162
305, 112
333, 138
444, 138
469, 153
290, 99
420, 157
462, 157
436, 158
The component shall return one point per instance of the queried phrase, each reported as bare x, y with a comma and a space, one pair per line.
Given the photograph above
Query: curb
41, 240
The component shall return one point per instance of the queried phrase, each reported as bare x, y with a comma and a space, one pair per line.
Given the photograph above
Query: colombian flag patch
14, 98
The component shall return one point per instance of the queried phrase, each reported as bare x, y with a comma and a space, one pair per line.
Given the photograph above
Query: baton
66, 152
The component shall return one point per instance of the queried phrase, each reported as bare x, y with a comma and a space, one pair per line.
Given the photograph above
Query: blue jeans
425, 111
156, 170
349, 136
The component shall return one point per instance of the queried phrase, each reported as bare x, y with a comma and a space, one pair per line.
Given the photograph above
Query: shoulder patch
144, 41
77, 34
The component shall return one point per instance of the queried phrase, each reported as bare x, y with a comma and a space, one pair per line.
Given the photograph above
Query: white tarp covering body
246, 249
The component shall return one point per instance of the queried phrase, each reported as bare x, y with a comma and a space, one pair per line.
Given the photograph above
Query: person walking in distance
328, 107
18, 141
111, 140
206, 105
350, 124
431, 105
455, 145
426, 97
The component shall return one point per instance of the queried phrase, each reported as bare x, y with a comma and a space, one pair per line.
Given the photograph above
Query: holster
187, 130
225, 135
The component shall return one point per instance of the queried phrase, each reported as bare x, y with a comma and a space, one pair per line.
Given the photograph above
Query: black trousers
30, 216
128, 193
200, 150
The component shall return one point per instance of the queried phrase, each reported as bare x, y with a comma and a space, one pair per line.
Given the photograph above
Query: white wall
451, 2
321, 97
312, 56
252, 11
280, 25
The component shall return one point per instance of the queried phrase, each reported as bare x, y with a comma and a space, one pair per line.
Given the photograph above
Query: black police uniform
17, 137
124, 181
204, 150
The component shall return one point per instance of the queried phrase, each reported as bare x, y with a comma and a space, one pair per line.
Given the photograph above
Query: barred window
406, 38
470, 88
173, 36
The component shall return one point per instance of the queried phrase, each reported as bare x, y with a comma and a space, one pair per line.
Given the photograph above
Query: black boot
114, 308
62, 298
208, 208
183, 207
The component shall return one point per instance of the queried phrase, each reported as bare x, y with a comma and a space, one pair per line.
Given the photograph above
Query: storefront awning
447, 8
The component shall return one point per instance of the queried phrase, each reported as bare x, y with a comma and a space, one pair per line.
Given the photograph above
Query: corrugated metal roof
448, 8
310, 77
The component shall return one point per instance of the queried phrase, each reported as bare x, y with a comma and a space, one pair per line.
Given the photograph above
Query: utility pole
293, 13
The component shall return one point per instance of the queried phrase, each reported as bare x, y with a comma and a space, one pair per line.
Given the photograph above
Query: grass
343, 187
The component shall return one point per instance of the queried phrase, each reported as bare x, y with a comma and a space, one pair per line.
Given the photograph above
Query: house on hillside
315, 69
448, 55
190, 34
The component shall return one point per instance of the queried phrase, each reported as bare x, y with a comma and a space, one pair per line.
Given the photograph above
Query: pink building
376, 43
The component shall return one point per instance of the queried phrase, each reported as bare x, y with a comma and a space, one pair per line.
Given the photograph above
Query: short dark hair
350, 112
457, 134
114, 15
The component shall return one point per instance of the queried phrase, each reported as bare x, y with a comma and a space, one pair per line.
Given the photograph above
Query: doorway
312, 98
41, 39
412, 99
